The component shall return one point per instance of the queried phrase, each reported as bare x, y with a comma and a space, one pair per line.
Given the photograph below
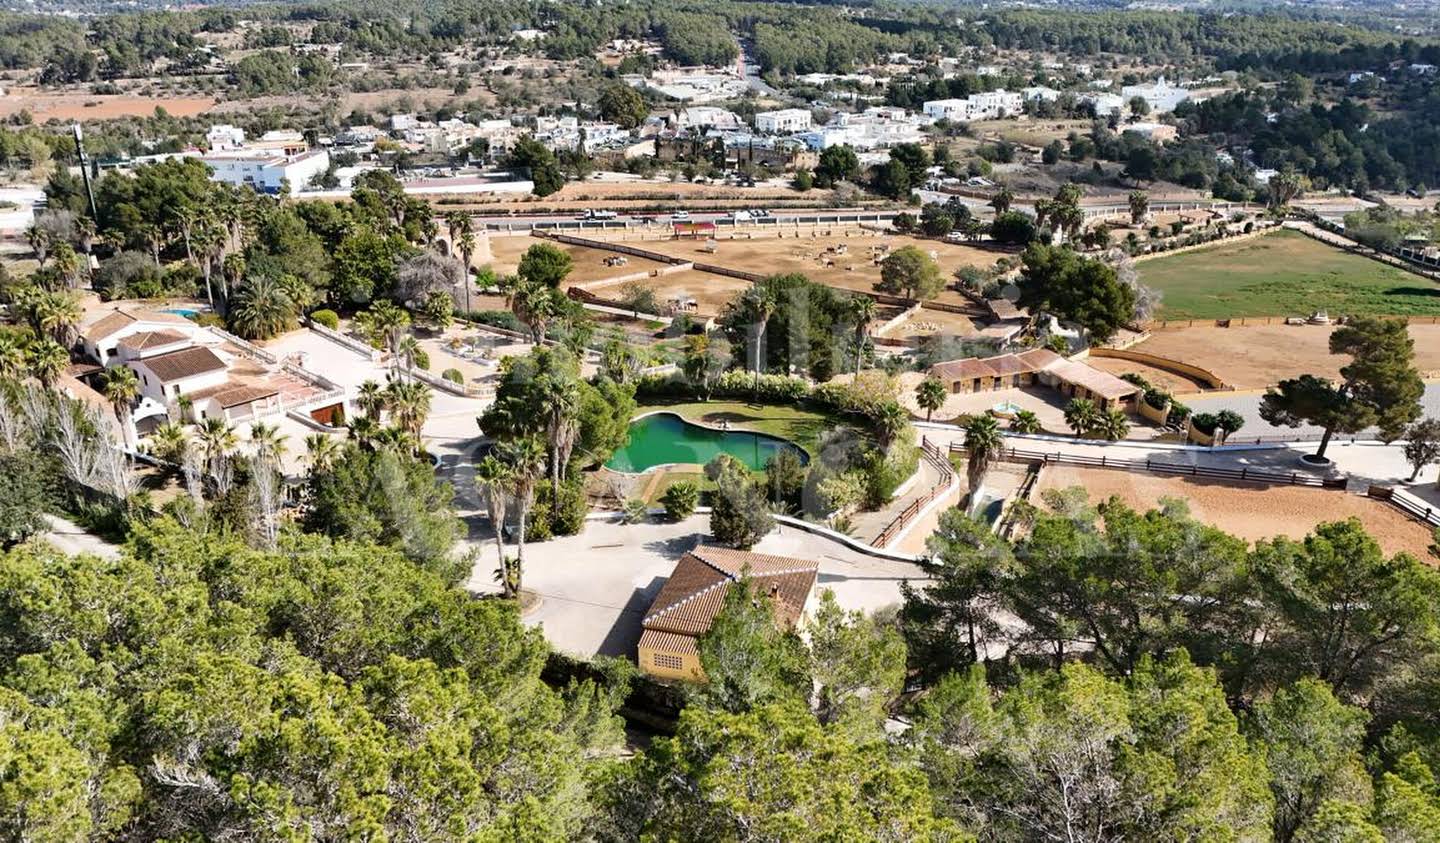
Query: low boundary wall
1294, 478
1188, 370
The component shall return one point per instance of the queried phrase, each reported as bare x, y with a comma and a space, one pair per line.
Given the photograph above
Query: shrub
453, 375
634, 511
1136, 379
1158, 398
327, 318
884, 474
496, 318
422, 359
1178, 413
1205, 423
680, 500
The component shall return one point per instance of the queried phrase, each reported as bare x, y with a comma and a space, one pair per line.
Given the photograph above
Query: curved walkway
595, 587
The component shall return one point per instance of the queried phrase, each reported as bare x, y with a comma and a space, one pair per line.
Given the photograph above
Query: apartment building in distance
990, 105
784, 121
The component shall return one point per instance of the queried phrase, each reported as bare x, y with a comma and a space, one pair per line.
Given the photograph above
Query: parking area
595, 587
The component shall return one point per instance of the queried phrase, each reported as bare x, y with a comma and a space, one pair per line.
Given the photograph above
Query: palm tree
396, 440
862, 312
120, 387
269, 442
1025, 421
67, 264
535, 305
371, 399
232, 272
363, 430
983, 444
47, 360
39, 240
758, 306
467, 249
155, 238
262, 309
888, 421
210, 243
386, 322
493, 482
559, 398
1001, 200
12, 358
525, 458
1081, 416
321, 451
462, 236
58, 315
930, 395
407, 352
409, 405
697, 364
187, 220
85, 235
170, 442
217, 439
1113, 425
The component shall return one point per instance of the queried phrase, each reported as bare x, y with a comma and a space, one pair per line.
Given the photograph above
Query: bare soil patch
710, 292
82, 106
1256, 356
1250, 511
1161, 378
839, 258
505, 254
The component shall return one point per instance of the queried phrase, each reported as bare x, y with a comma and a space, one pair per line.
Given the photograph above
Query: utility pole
85, 171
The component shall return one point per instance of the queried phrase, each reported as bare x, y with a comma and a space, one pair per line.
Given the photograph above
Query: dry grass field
1256, 356
68, 107
1249, 510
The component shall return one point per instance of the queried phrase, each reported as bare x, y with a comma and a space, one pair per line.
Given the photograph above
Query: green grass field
1283, 274
799, 426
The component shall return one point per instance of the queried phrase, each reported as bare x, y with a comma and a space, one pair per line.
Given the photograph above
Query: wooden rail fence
1294, 478
1424, 514
947, 475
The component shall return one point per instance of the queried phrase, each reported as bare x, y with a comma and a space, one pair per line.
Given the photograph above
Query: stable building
1036, 366
690, 599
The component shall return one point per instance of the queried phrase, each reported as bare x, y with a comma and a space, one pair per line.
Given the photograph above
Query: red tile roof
109, 324
142, 340
689, 600
185, 363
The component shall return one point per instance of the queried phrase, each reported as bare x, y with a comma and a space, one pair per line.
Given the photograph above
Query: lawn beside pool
1283, 274
802, 427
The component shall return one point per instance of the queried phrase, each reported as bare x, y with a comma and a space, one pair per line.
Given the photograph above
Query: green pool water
665, 438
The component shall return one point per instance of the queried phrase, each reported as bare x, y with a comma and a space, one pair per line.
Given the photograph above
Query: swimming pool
187, 312
665, 438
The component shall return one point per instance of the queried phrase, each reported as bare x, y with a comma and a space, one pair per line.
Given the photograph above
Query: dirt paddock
710, 292
589, 264
1250, 511
1256, 356
819, 258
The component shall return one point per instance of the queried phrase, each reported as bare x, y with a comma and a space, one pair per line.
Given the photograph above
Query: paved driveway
595, 587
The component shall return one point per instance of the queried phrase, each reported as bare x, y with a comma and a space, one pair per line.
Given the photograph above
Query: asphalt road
1248, 405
